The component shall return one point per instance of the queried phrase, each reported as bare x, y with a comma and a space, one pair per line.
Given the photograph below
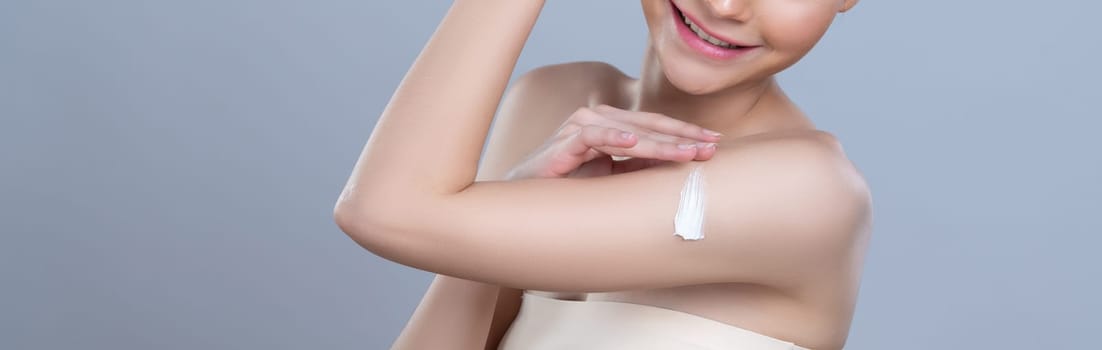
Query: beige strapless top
545, 323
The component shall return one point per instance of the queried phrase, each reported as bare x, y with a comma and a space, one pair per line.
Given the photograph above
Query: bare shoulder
806, 149
576, 73
813, 155
809, 174
569, 85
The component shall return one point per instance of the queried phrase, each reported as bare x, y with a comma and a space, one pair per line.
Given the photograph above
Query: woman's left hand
586, 142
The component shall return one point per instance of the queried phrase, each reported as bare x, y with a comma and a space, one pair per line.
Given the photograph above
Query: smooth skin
788, 214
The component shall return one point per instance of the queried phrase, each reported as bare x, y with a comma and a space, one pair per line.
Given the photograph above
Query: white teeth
700, 33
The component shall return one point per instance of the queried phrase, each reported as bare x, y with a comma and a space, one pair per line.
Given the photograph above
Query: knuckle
584, 116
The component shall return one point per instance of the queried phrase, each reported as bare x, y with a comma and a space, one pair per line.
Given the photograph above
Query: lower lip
703, 47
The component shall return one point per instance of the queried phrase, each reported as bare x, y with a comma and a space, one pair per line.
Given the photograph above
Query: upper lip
705, 29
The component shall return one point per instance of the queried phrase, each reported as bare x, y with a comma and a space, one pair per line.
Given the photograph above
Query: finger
592, 136
601, 120
600, 115
647, 147
660, 123
705, 151
671, 139
582, 143
591, 141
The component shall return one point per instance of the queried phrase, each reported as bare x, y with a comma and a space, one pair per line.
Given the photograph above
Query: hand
583, 146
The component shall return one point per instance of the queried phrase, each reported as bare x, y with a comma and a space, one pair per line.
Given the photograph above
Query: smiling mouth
704, 35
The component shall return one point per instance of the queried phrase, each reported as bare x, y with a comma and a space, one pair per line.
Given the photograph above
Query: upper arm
776, 212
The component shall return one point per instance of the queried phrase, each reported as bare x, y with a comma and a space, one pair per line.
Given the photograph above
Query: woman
726, 221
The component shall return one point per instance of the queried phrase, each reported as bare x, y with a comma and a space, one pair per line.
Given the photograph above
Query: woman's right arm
462, 314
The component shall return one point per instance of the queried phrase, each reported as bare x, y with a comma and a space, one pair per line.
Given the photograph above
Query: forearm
454, 314
429, 138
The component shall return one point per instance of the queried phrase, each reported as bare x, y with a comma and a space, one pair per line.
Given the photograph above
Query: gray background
169, 168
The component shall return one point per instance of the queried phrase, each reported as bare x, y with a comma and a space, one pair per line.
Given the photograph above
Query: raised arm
779, 208
531, 127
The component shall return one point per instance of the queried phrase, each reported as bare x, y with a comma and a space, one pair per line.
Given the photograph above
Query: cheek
652, 10
794, 30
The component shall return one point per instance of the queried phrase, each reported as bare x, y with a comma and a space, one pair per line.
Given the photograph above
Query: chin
699, 80
693, 81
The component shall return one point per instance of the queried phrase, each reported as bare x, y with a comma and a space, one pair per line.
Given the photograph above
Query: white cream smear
689, 221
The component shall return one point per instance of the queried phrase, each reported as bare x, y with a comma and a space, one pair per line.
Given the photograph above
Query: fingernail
712, 133
709, 145
625, 135
687, 146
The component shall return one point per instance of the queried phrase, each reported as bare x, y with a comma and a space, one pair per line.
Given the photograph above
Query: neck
734, 111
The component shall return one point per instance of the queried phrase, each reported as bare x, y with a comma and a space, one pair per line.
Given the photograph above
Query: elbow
384, 222
379, 229
353, 223
365, 219
356, 214
341, 216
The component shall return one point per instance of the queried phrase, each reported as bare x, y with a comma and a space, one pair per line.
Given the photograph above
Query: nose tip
733, 9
